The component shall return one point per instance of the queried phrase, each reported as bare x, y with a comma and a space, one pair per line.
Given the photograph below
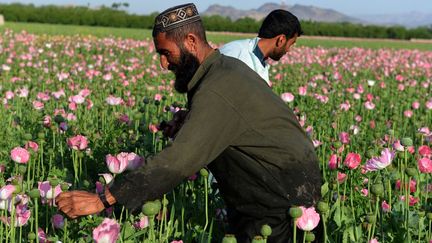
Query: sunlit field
80, 107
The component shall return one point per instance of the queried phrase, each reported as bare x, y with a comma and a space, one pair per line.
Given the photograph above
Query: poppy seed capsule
390, 132
310, 236
229, 239
204, 172
31, 236
411, 171
406, 142
27, 136
258, 239
266, 230
378, 190
295, 212
429, 216
34, 193
151, 208
323, 207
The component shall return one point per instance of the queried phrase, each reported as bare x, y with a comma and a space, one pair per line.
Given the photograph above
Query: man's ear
190, 43
280, 40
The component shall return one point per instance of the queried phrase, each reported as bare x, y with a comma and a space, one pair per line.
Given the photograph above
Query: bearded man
236, 126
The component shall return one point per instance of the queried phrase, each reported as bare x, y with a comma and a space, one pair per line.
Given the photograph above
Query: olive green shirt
246, 135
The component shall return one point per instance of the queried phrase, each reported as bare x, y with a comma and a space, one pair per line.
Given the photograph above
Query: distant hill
404, 19
323, 15
301, 11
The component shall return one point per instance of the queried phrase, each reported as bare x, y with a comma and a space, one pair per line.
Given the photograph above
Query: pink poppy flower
287, 97
309, 219
385, 206
47, 121
302, 90
42, 236
415, 105
6, 192
142, 223
107, 232
22, 215
84, 92
57, 221
425, 165
78, 142
341, 177
364, 192
398, 146
38, 105
408, 113
352, 160
118, 163
369, 105
424, 130
112, 100
72, 106
134, 161
344, 137
425, 151
20, 155
158, 97
32, 145
412, 185
412, 200
333, 162
108, 178
153, 128
374, 240
48, 193
177, 241
379, 163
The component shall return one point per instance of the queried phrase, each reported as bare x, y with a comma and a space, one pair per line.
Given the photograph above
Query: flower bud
31, 236
411, 171
258, 239
229, 239
53, 182
378, 190
429, 216
34, 193
41, 135
310, 236
323, 207
204, 172
28, 136
22, 169
151, 208
406, 142
266, 230
421, 213
64, 186
337, 144
295, 212
165, 202
370, 218
390, 132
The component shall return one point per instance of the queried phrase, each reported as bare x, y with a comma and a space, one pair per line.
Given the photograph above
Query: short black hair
278, 22
179, 34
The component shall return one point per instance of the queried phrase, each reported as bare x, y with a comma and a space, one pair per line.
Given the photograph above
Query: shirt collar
202, 69
258, 53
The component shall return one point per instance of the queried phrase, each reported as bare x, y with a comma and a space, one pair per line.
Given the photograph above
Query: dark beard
184, 70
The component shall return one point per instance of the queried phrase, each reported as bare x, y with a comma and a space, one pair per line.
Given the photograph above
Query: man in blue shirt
278, 32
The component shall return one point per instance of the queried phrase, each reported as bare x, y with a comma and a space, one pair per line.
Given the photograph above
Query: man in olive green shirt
249, 139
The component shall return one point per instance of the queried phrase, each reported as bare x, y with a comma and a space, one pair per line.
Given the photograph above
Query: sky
349, 7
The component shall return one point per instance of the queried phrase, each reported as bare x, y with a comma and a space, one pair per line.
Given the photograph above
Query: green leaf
324, 189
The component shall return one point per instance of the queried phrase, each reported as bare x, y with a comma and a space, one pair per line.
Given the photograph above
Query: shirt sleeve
211, 126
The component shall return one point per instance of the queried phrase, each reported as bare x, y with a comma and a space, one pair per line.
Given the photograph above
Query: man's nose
164, 62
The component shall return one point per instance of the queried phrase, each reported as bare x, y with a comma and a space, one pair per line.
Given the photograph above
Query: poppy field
79, 111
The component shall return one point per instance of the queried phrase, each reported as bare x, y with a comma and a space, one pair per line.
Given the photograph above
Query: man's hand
170, 129
79, 203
